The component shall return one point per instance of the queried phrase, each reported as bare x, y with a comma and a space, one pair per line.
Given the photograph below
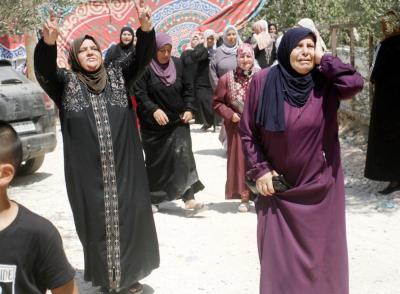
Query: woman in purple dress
289, 127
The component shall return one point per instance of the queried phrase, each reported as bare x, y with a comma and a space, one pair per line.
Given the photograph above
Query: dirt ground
215, 251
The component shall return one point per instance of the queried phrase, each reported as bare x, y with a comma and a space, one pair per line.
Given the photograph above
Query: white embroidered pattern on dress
73, 97
110, 188
119, 95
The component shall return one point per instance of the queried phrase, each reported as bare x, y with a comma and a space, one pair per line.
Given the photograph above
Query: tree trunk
30, 43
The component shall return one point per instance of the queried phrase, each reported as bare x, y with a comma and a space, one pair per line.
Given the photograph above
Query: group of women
280, 122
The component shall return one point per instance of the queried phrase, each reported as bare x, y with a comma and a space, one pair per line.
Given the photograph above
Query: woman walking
228, 103
224, 59
165, 107
289, 128
383, 158
263, 44
196, 63
104, 168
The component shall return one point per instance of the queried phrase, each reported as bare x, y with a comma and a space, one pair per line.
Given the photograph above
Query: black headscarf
95, 81
120, 51
130, 44
283, 83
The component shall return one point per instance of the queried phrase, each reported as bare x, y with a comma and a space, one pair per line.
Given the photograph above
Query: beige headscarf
95, 81
261, 36
309, 24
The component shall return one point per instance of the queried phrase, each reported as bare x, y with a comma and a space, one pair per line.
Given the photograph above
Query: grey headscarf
226, 47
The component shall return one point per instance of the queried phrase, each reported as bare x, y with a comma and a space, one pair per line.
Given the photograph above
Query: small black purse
279, 182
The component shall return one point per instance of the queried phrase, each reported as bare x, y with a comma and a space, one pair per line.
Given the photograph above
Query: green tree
363, 14
20, 16
24, 17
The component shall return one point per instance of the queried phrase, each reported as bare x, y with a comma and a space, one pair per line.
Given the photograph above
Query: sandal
154, 208
136, 288
205, 127
244, 207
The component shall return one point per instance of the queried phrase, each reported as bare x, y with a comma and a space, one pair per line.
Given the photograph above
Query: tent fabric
179, 18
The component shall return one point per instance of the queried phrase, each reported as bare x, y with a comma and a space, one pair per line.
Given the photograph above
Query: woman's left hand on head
144, 14
187, 116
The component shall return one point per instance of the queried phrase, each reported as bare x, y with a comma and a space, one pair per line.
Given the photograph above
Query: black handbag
278, 182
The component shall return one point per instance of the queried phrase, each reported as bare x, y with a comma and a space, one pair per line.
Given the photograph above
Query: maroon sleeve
344, 78
220, 99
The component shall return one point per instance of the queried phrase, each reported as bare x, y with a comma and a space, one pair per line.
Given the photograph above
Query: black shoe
392, 187
205, 127
104, 290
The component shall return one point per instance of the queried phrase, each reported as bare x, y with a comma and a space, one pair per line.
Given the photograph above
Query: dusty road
215, 252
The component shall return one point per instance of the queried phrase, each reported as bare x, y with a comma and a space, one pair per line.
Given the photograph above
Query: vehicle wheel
30, 166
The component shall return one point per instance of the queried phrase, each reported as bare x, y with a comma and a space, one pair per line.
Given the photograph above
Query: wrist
49, 42
146, 27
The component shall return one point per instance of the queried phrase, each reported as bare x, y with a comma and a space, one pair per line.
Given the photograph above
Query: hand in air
144, 14
50, 29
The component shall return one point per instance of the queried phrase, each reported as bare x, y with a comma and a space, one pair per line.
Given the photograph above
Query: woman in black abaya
165, 107
123, 49
383, 152
104, 168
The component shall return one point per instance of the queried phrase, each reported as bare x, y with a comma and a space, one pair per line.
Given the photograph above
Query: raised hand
144, 14
51, 30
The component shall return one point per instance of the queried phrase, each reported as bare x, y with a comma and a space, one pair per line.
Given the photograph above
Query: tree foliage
17, 16
363, 14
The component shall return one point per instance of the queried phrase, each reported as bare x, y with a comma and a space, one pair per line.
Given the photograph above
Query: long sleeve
344, 78
213, 73
110, 55
250, 135
220, 98
199, 53
386, 66
144, 52
50, 78
187, 91
144, 102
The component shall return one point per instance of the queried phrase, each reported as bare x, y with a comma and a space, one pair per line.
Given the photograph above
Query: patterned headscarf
245, 48
95, 81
